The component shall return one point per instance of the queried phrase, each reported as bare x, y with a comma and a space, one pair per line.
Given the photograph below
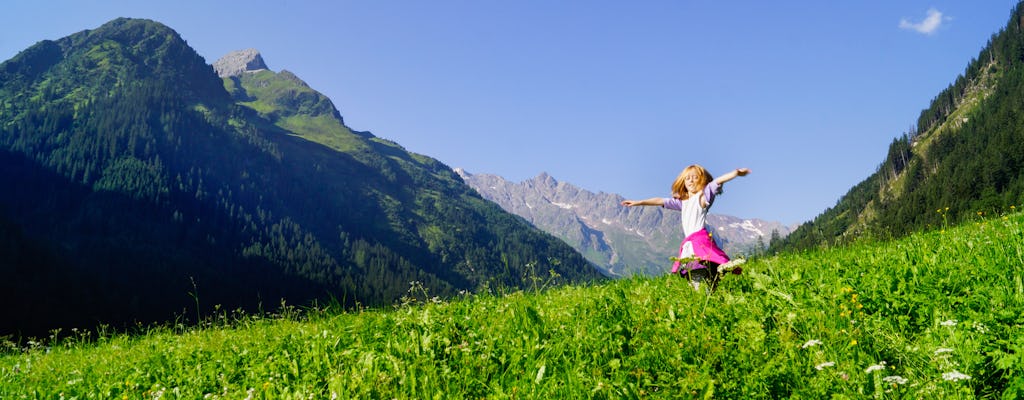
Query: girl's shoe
732, 266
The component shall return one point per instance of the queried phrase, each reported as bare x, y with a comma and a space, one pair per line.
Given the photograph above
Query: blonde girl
693, 193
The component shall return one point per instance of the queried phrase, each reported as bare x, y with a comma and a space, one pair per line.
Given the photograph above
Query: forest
142, 190
964, 158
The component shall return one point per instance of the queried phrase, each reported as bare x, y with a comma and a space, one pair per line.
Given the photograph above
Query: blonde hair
679, 186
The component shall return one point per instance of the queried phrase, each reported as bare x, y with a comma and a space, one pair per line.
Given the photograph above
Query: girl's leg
697, 273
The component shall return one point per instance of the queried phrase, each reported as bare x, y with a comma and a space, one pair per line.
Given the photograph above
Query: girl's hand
742, 171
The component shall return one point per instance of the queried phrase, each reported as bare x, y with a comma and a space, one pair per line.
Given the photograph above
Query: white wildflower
955, 376
942, 350
811, 343
877, 367
895, 379
824, 365
948, 322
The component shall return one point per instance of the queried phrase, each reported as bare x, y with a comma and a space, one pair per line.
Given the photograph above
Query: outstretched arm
654, 201
730, 175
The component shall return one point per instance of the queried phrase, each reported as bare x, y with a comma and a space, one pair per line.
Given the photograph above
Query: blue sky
612, 96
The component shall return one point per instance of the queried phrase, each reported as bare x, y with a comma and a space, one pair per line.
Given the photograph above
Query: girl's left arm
730, 175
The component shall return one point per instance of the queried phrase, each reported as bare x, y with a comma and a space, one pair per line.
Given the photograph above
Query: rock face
619, 240
237, 62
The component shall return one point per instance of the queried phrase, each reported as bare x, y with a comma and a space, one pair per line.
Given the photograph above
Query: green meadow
939, 314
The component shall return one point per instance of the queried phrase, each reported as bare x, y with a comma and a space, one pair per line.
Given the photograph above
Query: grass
935, 315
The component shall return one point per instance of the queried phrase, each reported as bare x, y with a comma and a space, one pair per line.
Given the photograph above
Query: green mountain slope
141, 189
964, 158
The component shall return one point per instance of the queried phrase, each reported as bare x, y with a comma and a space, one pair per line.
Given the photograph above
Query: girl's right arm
654, 201
732, 174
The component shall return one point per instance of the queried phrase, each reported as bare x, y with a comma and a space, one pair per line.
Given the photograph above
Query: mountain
140, 186
620, 240
963, 159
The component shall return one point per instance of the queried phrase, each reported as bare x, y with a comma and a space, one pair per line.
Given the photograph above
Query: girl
693, 192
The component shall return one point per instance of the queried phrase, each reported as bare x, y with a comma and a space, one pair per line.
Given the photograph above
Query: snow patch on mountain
565, 206
747, 226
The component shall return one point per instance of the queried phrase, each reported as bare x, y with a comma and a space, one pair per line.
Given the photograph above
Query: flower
895, 380
943, 350
811, 343
824, 365
948, 322
877, 367
955, 376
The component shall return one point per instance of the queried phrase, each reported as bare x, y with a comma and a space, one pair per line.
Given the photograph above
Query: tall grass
935, 315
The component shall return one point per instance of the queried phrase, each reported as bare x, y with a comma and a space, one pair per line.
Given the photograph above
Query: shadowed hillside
144, 186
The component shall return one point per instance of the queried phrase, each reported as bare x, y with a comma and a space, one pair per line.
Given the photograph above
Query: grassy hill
938, 314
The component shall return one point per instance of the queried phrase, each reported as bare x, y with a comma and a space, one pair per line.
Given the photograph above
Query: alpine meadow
898, 319
175, 229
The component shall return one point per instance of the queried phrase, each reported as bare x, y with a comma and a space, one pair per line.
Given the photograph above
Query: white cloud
931, 22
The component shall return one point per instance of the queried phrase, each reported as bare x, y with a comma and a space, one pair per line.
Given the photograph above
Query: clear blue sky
612, 96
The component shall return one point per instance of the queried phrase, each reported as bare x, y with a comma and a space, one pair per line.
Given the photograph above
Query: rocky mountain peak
237, 62
546, 179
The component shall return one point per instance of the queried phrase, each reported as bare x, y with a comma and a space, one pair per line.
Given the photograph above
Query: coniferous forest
141, 187
963, 159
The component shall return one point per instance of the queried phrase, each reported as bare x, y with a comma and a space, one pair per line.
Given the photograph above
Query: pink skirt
704, 248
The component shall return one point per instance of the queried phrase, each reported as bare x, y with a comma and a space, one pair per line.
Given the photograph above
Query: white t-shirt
692, 216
